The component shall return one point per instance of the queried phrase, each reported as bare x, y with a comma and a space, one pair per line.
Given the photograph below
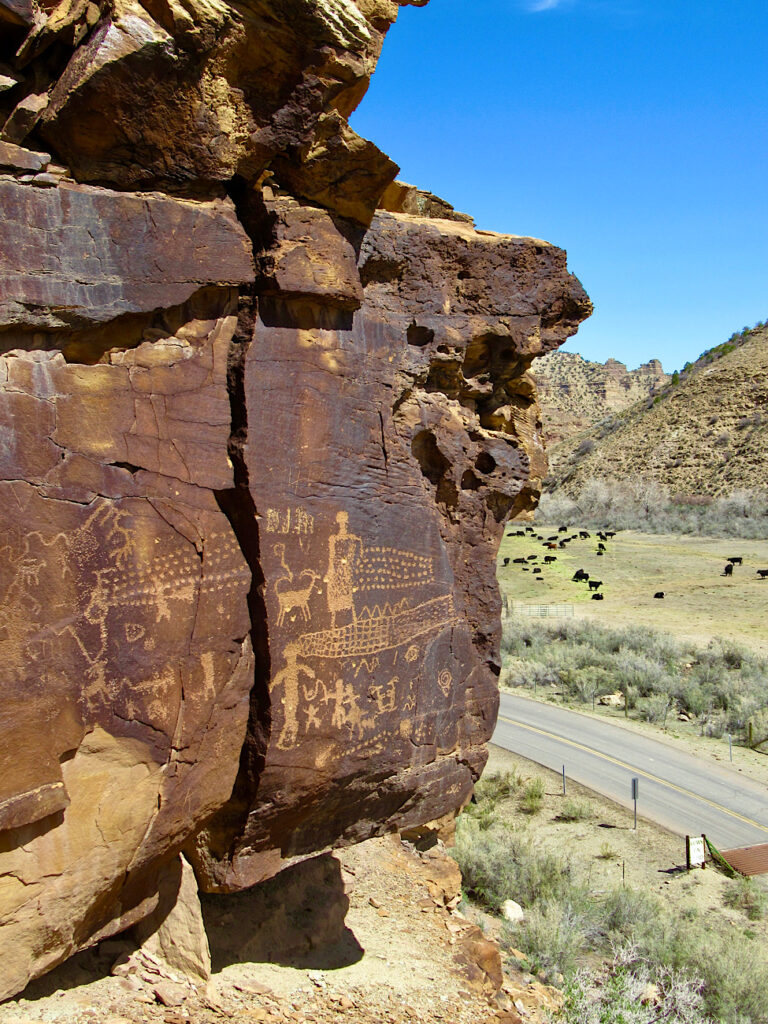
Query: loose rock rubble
417, 960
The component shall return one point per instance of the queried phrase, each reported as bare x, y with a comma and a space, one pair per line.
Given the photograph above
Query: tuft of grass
499, 864
575, 810
532, 796
744, 894
607, 852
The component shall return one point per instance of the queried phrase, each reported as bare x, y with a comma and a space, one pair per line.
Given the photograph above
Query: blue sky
632, 133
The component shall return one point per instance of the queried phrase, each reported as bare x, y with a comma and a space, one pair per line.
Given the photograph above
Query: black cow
601, 535
728, 569
610, 533
594, 584
553, 537
537, 569
598, 597
762, 573
562, 529
518, 561
579, 576
601, 546
506, 562
550, 558
532, 558
599, 554
735, 561
526, 569
659, 593
584, 535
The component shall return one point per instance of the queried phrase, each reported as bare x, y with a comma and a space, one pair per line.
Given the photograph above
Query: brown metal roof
749, 860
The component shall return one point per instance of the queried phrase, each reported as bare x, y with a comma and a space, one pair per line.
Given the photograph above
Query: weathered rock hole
420, 336
485, 463
477, 359
377, 270
434, 466
500, 505
469, 482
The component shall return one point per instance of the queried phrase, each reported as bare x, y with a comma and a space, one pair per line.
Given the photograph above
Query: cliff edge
259, 445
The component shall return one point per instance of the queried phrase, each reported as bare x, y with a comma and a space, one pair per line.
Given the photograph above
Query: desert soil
401, 958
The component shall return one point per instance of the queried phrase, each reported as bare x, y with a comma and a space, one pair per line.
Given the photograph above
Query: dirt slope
705, 434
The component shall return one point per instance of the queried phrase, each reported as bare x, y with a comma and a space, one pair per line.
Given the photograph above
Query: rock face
576, 393
258, 446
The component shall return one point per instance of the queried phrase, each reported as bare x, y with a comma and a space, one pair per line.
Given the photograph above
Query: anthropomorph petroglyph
345, 551
288, 677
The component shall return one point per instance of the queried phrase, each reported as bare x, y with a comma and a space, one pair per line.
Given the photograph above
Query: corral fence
536, 611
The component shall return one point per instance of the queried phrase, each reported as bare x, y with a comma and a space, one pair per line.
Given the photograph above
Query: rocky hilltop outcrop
702, 435
259, 442
576, 393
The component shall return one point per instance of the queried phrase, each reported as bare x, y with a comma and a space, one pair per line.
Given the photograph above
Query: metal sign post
635, 792
563, 780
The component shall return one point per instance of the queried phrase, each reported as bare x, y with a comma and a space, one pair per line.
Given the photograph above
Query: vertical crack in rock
238, 506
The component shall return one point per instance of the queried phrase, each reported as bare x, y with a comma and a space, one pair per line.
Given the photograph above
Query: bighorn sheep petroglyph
298, 597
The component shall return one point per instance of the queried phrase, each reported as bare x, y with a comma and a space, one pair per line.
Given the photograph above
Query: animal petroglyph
297, 597
120, 582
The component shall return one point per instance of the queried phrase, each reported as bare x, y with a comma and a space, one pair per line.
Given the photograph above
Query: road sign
695, 852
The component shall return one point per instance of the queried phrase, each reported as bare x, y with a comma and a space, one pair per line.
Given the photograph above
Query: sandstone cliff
259, 445
576, 393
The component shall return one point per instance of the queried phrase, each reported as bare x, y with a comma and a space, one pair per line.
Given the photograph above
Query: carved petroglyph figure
288, 676
298, 597
444, 681
363, 634
345, 551
291, 520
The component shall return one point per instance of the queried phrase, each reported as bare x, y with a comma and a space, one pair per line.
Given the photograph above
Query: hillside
576, 393
704, 433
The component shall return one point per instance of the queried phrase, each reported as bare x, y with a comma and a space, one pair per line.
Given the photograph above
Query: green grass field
699, 603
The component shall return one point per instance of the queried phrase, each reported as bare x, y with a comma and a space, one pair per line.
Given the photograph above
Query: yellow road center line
635, 771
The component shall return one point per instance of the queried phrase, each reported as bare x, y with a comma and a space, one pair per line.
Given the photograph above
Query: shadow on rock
295, 919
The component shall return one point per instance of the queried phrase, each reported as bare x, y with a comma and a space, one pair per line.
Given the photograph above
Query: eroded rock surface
258, 447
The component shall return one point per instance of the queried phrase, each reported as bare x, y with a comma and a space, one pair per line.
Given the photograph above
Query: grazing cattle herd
559, 542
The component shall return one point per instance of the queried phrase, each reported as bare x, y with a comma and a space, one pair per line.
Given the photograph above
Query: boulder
175, 932
512, 912
611, 700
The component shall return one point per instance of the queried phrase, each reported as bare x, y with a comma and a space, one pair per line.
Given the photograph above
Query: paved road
681, 792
